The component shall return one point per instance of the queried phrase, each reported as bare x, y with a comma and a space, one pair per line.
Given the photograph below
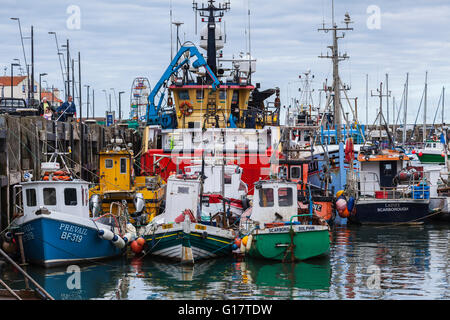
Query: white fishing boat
181, 232
57, 226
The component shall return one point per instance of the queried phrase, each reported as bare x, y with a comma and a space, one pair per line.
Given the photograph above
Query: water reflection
77, 283
365, 262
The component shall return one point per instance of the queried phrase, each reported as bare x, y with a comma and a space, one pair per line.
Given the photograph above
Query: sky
121, 40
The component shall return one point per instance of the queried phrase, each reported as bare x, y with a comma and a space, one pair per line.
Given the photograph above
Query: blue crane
154, 114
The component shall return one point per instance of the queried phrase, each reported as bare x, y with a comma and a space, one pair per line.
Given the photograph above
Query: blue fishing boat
57, 225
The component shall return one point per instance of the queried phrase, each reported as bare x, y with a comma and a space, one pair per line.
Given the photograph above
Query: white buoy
249, 243
105, 234
118, 241
242, 247
129, 237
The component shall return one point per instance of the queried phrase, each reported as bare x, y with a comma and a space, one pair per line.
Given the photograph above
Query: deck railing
410, 189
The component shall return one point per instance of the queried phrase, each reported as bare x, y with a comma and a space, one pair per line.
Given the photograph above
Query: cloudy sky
120, 40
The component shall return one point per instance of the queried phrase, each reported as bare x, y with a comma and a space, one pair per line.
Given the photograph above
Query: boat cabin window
183, 190
222, 94
242, 186
227, 179
285, 197
295, 172
199, 93
70, 196
183, 95
123, 165
266, 197
109, 163
49, 196
235, 98
387, 169
31, 197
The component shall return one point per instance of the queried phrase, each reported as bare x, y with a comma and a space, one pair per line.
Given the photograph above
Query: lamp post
12, 86
24, 55
106, 97
59, 53
40, 91
87, 101
120, 106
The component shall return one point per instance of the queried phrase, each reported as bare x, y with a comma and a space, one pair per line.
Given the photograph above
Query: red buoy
135, 247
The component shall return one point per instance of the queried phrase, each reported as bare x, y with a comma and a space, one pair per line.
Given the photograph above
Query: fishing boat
218, 176
389, 192
142, 196
182, 232
209, 104
433, 151
274, 228
56, 223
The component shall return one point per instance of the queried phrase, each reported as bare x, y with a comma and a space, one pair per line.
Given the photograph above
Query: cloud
120, 40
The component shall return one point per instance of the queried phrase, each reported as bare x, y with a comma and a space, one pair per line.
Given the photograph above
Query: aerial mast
336, 58
211, 12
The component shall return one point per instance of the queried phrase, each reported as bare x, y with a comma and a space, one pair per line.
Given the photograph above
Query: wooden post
22, 256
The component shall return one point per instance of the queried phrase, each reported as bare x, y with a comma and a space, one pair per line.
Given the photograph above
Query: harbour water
365, 262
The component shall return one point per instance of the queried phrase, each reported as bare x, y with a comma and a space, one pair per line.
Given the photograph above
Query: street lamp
12, 87
24, 55
87, 103
40, 91
120, 106
106, 99
115, 97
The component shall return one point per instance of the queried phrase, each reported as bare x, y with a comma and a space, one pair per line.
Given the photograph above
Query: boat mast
405, 109
443, 105
424, 138
211, 12
336, 58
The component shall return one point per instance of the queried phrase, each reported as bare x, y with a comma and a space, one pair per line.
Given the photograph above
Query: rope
436, 211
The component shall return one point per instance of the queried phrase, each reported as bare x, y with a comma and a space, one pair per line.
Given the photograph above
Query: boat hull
431, 158
188, 242
390, 211
51, 241
308, 241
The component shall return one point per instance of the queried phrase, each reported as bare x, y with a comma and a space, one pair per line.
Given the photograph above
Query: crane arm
153, 117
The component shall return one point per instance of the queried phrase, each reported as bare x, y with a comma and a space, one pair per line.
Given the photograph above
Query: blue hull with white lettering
377, 211
52, 242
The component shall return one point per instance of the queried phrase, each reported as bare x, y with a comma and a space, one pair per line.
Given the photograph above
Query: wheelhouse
70, 197
274, 201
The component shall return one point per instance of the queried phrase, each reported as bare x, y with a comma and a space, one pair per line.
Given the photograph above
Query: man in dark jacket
67, 110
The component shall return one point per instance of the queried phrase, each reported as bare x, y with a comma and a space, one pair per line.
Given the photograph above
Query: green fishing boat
434, 151
277, 229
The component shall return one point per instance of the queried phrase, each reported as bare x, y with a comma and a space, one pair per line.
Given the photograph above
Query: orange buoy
237, 242
59, 173
140, 241
344, 213
135, 247
45, 178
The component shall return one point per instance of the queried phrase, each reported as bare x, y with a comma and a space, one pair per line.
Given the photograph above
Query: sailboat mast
424, 138
443, 104
405, 109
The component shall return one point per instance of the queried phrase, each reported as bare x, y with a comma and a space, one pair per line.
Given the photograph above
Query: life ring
186, 108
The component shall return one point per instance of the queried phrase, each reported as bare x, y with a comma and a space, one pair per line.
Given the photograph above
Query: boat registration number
200, 227
167, 226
